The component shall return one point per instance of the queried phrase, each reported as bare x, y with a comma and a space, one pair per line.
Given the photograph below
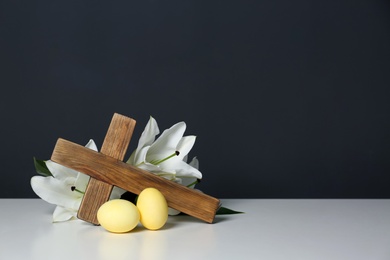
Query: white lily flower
166, 156
65, 188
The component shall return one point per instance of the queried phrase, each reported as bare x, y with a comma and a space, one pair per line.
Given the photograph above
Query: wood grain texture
115, 172
115, 145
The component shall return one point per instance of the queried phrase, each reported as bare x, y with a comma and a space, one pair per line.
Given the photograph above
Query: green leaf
41, 168
226, 211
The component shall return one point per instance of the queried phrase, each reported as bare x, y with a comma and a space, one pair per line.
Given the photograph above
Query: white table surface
270, 229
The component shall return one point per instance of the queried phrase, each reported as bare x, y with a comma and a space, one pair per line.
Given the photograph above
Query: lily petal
81, 181
185, 170
62, 214
116, 193
185, 145
150, 167
55, 192
141, 156
60, 172
147, 138
194, 163
173, 212
167, 142
91, 145
149, 134
168, 166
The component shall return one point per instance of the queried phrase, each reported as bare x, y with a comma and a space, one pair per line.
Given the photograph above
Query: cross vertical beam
115, 145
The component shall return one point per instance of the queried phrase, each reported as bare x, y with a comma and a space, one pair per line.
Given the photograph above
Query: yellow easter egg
118, 216
153, 208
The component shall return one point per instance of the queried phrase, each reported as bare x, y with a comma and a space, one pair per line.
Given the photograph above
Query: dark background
289, 99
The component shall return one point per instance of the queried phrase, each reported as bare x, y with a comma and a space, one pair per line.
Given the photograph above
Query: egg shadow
141, 228
168, 225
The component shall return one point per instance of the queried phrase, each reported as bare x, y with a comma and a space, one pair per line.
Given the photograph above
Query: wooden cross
107, 170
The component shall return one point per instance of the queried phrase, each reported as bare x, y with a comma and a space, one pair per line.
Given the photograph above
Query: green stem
73, 188
193, 184
167, 158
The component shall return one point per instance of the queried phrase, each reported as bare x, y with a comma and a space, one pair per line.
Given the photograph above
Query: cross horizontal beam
133, 179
